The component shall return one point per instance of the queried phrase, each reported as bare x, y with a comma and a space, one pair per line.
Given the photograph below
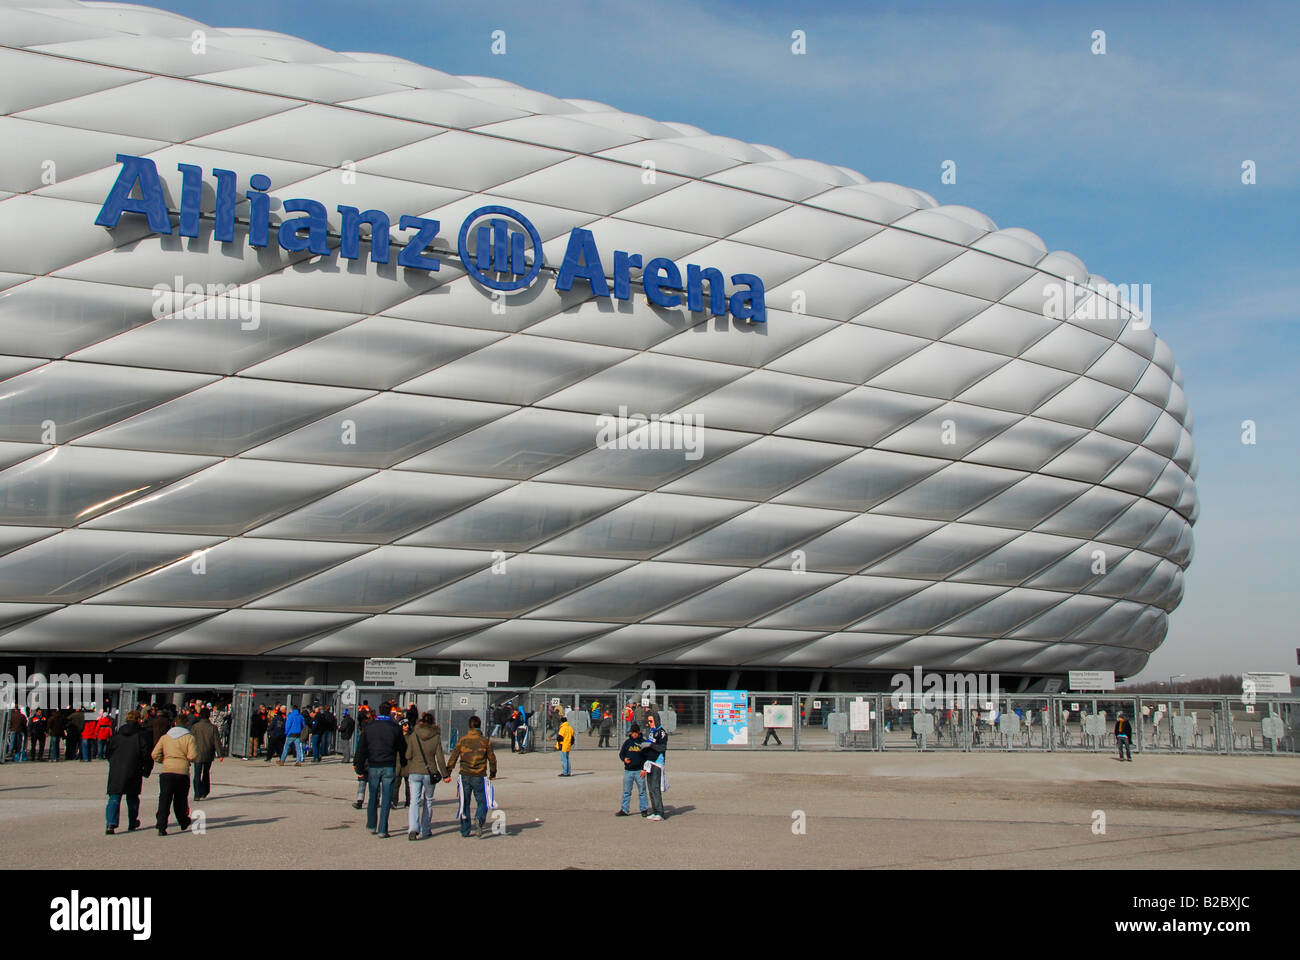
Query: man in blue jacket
293, 726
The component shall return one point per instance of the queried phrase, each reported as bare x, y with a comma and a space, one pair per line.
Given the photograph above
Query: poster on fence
859, 715
779, 715
729, 718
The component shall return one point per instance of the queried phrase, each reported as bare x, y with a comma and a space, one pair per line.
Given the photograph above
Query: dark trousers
771, 732
316, 739
36, 747
202, 779
70, 747
652, 785
1124, 748
174, 793
604, 738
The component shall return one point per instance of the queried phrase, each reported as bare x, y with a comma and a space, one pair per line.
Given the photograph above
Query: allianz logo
498, 262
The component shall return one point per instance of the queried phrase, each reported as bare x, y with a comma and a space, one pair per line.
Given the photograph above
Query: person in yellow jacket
564, 743
175, 750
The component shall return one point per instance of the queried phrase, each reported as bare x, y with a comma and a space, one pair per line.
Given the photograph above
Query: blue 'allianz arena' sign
498, 262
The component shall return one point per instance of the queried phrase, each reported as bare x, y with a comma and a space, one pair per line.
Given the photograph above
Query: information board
859, 715
729, 718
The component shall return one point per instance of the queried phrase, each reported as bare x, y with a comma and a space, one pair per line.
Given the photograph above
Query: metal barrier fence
800, 720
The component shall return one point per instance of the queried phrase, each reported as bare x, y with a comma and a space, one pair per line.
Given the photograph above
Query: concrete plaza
726, 809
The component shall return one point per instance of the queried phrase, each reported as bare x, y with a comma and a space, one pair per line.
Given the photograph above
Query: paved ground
891, 810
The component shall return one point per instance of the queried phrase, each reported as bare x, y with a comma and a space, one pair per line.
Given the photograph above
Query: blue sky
1131, 160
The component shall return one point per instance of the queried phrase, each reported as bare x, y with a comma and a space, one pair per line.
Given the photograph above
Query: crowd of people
393, 752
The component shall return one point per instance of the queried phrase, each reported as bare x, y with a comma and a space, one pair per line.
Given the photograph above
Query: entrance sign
485, 671
388, 670
729, 718
1267, 682
1092, 680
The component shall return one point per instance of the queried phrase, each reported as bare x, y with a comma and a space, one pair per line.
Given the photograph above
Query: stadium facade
614, 391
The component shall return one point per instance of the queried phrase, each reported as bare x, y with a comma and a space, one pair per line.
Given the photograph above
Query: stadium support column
309, 679
180, 671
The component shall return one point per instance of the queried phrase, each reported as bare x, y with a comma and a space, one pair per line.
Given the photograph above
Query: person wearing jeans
381, 750
128, 764
1124, 737
630, 755
426, 766
382, 780
564, 743
476, 757
294, 724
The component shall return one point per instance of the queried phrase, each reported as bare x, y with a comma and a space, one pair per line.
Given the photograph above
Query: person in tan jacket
425, 766
175, 750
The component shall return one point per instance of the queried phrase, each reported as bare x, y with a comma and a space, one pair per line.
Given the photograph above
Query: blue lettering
412, 253
151, 202
582, 260
748, 304
316, 223
661, 274
350, 245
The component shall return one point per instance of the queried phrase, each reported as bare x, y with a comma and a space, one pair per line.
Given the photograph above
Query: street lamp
1172, 679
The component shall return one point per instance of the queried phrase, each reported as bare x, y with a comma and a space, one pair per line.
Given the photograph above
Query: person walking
426, 765
564, 744
347, 727
159, 725
606, 728
477, 759
629, 718
207, 746
129, 762
403, 782
175, 751
770, 732
630, 755
294, 725
1124, 738
380, 751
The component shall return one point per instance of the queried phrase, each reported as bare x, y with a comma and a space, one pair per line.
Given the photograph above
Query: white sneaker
654, 816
